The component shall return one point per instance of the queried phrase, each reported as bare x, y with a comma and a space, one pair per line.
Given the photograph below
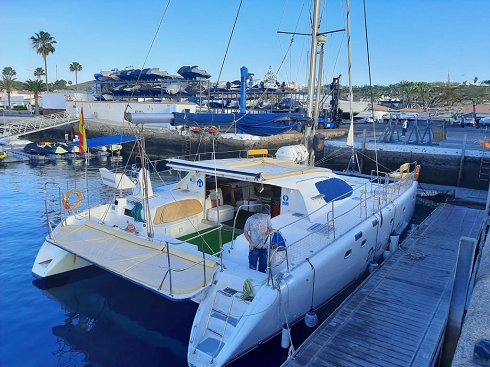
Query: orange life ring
66, 200
131, 228
417, 172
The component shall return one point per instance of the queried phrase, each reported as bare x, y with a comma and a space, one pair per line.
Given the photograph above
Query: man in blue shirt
257, 229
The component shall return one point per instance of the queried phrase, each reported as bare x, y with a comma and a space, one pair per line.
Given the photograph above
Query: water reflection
111, 322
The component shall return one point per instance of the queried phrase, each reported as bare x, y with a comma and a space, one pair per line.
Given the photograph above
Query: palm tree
76, 67
424, 94
8, 77
405, 90
39, 72
36, 87
449, 96
44, 43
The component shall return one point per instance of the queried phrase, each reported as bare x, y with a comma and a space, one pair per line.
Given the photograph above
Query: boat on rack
185, 240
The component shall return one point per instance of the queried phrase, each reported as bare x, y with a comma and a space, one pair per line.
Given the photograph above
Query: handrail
270, 254
26, 126
50, 229
331, 217
241, 153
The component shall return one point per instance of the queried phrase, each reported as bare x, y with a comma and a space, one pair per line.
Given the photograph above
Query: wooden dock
397, 317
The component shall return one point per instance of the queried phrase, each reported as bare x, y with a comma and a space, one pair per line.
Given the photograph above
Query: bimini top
264, 170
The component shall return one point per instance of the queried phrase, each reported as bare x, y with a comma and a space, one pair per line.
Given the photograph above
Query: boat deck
177, 275
397, 317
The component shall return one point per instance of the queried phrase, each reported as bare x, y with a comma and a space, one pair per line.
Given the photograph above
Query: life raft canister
66, 200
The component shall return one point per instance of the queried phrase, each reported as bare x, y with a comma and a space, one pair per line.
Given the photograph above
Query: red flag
82, 135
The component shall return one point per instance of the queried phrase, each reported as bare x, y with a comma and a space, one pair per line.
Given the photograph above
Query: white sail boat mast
350, 136
313, 57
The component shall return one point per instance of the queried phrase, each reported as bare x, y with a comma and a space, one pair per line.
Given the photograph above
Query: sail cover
334, 189
260, 124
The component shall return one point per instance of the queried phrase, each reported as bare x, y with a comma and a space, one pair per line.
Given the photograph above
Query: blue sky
417, 40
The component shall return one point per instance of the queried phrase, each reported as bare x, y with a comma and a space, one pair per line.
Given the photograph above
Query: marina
74, 319
204, 217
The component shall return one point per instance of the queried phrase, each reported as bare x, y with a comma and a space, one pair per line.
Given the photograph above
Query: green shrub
20, 108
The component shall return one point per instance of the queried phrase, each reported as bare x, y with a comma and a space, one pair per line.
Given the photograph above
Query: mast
350, 136
314, 43
322, 39
309, 131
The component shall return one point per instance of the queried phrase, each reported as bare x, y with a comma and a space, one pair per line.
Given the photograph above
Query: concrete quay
459, 160
163, 143
476, 325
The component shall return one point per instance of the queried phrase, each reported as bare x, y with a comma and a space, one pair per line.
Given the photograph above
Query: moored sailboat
186, 240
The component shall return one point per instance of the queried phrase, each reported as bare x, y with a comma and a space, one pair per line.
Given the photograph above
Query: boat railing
278, 253
48, 208
169, 271
200, 235
221, 155
380, 190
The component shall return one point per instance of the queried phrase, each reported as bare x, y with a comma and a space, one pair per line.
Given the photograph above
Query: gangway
14, 129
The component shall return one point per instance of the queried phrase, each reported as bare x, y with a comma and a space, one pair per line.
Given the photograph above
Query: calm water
94, 318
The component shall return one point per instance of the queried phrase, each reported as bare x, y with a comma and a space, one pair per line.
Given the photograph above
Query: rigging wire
229, 41
292, 40
132, 128
370, 84
283, 59
247, 112
151, 46
340, 46
148, 53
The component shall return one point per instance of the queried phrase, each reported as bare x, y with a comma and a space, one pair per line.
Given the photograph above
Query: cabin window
347, 254
375, 223
358, 235
334, 189
363, 242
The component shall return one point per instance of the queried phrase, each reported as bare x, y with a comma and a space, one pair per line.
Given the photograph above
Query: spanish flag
82, 135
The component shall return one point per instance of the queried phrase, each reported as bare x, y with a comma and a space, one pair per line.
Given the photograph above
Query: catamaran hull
321, 278
52, 260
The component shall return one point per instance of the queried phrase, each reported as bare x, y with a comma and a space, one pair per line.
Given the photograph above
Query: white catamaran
185, 240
